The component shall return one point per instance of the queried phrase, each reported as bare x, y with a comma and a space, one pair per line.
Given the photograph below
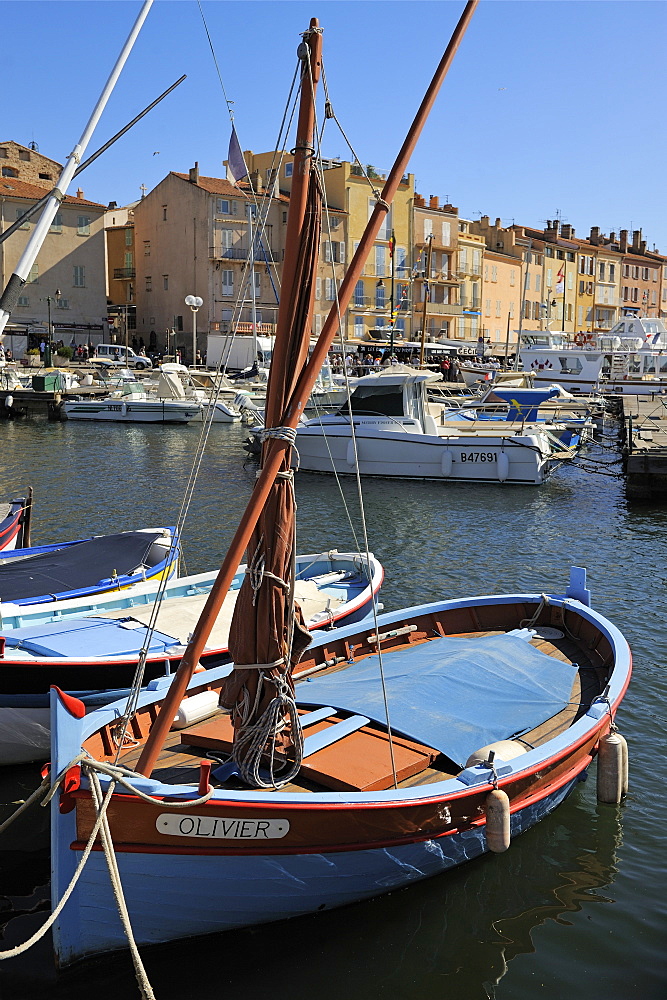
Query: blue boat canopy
455, 695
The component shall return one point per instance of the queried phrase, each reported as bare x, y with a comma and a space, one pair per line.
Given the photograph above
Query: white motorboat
396, 435
630, 359
175, 382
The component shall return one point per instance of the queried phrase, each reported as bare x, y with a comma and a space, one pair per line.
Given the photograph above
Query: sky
552, 108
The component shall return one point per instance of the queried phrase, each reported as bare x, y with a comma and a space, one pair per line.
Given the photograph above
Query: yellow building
501, 300
350, 191
435, 288
469, 269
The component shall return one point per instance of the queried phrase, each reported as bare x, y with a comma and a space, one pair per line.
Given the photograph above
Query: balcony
441, 308
124, 272
240, 253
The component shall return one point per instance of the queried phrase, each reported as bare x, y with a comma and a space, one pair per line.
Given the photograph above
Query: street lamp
48, 360
194, 302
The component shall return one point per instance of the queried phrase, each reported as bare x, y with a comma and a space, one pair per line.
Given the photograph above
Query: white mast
18, 279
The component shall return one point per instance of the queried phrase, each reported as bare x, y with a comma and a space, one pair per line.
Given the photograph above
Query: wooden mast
275, 449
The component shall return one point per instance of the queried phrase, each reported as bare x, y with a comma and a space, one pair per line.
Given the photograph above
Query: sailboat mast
427, 297
11, 293
276, 449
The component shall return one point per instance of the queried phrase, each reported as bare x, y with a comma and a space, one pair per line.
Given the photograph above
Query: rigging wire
374, 603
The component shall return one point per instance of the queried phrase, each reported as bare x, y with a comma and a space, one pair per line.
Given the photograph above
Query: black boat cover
79, 567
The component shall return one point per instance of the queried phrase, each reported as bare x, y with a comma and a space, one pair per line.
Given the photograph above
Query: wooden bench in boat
343, 754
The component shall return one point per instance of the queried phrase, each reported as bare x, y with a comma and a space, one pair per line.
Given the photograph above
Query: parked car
116, 354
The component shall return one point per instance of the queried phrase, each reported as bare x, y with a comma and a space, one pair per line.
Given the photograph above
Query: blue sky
552, 108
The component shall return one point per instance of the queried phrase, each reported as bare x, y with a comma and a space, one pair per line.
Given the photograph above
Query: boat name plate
221, 827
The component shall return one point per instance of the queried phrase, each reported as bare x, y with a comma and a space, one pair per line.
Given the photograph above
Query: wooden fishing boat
92, 648
15, 523
412, 745
534, 680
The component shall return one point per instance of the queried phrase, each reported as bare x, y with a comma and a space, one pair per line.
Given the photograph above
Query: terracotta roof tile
12, 187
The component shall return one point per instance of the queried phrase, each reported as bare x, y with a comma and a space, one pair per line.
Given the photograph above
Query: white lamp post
194, 302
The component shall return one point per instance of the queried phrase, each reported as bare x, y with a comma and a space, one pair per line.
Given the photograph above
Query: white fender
503, 464
197, 707
9, 401
123, 409
446, 463
497, 808
350, 455
612, 778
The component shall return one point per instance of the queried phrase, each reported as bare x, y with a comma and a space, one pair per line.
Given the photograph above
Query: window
222, 206
379, 297
46, 177
318, 289
19, 213
33, 277
512, 277
497, 307
570, 280
62, 303
24, 155
487, 307
548, 252
164, 213
129, 235
511, 310
83, 225
23, 300
380, 261
401, 261
147, 248
227, 282
79, 280
549, 279
334, 251
359, 294
128, 259
494, 273
527, 281
257, 278
165, 282
538, 281
57, 224
226, 239
602, 270
359, 327
3, 153
446, 233
9, 172
149, 283
329, 289
428, 228
288, 169
318, 324
645, 273
526, 310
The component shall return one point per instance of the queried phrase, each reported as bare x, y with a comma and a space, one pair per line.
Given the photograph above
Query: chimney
419, 200
595, 235
552, 228
566, 231
79, 193
256, 181
623, 241
636, 237
612, 237
434, 201
642, 247
194, 173
498, 224
112, 204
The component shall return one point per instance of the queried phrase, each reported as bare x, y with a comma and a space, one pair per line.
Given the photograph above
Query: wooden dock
645, 446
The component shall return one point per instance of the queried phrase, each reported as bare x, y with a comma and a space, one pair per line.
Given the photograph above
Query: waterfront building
436, 295
68, 277
193, 238
501, 301
121, 269
350, 191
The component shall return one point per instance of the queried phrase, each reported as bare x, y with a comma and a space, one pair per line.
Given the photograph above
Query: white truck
238, 352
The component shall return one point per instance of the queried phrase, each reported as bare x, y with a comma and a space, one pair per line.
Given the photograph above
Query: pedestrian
453, 375
42, 348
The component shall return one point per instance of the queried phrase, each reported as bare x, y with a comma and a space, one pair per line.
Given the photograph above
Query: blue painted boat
534, 680
91, 646
78, 569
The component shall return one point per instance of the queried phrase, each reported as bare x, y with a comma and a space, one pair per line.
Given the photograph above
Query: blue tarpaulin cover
455, 695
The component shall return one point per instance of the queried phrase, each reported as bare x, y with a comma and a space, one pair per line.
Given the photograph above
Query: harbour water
577, 906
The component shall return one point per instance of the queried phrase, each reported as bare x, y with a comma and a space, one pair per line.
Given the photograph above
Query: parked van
116, 353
